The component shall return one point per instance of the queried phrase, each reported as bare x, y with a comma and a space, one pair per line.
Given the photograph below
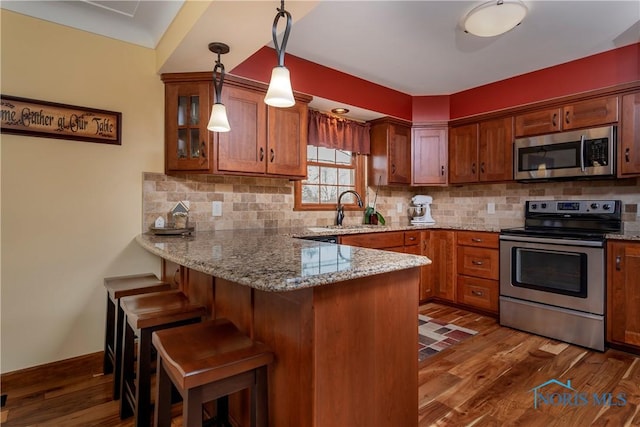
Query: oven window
550, 271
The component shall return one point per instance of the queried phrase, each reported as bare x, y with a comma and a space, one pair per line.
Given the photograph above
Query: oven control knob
595, 206
534, 206
543, 205
606, 206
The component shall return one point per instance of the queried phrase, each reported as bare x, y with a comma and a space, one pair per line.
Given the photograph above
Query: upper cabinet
263, 141
581, 114
187, 140
429, 156
481, 152
629, 153
390, 159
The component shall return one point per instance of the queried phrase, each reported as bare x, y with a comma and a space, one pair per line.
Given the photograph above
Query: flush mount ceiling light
280, 93
495, 17
340, 110
218, 121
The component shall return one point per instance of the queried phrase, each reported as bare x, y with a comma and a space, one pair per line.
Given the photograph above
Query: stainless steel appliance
586, 153
552, 271
421, 210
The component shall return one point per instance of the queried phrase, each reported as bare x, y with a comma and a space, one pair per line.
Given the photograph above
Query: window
329, 173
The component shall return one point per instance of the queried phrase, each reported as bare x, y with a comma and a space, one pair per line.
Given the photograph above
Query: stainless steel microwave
587, 153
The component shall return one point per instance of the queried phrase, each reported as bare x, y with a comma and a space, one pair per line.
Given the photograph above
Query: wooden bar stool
205, 362
118, 287
145, 314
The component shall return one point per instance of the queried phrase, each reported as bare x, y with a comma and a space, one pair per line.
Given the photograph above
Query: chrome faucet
340, 216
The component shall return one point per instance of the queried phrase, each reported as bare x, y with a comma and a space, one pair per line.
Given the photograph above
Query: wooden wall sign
22, 116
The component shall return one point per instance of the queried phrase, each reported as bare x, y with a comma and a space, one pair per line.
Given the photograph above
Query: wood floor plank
486, 380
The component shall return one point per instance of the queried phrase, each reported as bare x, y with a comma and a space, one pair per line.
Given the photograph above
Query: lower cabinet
623, 294
477, 270
439, 279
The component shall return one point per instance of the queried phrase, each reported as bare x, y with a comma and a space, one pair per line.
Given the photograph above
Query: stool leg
222, 411
260, 404
118, 352
128, 375
162, 410
192, 408
107, 365
143, 379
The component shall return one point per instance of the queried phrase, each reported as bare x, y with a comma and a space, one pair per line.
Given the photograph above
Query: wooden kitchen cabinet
629, 153
463, 154
438, 279
623, 294
481, 152
576, 115
187, 140
263, 141
390, 158
477, 270
173, 274
429, 148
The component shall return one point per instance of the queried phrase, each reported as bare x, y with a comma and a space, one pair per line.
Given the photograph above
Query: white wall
70, 210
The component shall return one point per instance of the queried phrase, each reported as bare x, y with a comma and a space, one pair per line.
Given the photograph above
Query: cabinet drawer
375, 240
478, 238
411, 238
478, 262
480, 293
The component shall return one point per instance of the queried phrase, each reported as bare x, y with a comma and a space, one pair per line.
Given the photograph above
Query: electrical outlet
399, 207
216, 208
491, 208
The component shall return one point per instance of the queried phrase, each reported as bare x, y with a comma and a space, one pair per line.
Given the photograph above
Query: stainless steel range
552, 271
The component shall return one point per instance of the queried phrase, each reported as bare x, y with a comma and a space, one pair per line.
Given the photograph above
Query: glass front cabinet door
188, 141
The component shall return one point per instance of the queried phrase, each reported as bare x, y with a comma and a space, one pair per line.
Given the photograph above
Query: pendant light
495, 17
218, 121
280, 93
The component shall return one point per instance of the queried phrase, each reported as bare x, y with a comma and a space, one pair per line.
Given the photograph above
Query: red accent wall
430, 108
617, 66
602, 70
315, 79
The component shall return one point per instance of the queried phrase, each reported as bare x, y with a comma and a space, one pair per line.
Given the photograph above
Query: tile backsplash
249, 202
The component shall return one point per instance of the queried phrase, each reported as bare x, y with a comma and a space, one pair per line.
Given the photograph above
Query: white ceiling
415, 47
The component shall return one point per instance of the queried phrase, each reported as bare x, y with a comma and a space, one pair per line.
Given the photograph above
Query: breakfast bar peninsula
342, 321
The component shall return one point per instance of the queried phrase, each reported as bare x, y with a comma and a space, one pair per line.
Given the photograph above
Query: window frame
358, 167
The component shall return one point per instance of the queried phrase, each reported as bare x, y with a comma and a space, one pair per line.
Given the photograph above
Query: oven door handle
528, 239
582, 153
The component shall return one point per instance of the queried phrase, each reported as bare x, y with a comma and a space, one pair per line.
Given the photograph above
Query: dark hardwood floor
487, 380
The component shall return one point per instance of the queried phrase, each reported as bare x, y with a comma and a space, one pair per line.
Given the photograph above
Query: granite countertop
627, 235
271, 260
338, 230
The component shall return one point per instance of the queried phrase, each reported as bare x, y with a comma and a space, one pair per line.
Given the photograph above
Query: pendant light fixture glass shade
495, 17
280, 93
218, 121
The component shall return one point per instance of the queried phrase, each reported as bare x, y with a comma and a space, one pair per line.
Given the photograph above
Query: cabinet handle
203, 152
273, 155
474, 262
626, 155
442, 170
473, 168
476, 240
393, 168
618, 263
554, 120
477, 293
482, 167
176, 278
566, 118
261, 154
412, 238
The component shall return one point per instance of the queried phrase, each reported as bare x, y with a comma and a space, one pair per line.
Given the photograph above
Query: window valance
336, 132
